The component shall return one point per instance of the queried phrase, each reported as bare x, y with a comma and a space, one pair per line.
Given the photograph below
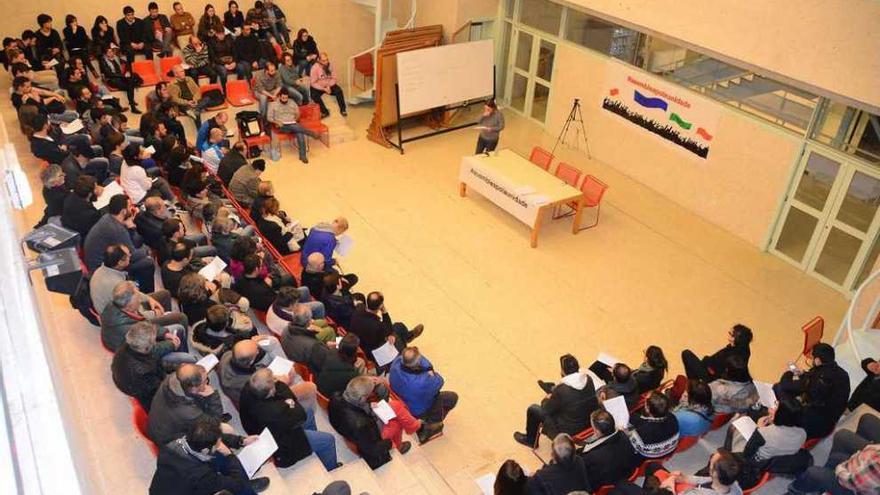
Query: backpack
214, 97
249, 123
81, 300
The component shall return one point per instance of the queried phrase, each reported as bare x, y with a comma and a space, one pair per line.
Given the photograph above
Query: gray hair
123, 293
50, 174
262, 382
358, 390
302, 315
563, 448
411, 356
141, 336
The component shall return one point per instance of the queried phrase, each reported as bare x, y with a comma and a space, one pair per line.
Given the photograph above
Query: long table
519, 187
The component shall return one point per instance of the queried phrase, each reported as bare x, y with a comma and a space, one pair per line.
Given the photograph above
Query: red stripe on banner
703, 134
614, 91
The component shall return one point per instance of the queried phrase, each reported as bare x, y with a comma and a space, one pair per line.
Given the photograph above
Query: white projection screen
444, 75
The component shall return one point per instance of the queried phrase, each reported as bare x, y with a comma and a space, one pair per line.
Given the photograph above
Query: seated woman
223, 326
305, 52
278, 229
695, 412
734, 392
647, 376
196, 185
712, 367
134, 177
196, 295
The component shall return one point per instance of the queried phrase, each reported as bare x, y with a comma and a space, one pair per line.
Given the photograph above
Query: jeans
335, 90
299, 132
142, 272
263, 101
176, 358
244, 69
223, 75
281, 32
323, 443
295, 94
206, 71
485, 146
534, 418
443, 403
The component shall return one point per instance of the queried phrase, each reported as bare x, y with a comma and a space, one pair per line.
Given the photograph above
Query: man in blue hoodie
322, 239
415, 381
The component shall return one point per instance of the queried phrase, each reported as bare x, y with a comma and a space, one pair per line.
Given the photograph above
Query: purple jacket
321, 239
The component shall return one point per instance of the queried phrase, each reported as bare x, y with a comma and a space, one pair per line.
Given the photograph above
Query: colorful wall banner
662, 108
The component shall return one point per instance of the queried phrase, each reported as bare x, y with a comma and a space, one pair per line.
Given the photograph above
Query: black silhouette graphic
663, 130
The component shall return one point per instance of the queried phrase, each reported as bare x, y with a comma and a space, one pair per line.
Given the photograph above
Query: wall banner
668, 111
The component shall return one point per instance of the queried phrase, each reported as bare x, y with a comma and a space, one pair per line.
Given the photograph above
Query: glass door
530, 72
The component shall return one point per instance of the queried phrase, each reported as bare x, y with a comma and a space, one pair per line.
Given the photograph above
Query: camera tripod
576, 120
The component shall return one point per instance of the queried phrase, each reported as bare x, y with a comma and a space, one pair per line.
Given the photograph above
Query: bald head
155, 205
216, 135
191, 377
315, 262
244, 352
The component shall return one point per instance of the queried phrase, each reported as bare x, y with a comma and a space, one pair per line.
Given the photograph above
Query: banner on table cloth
517, 199
664, 109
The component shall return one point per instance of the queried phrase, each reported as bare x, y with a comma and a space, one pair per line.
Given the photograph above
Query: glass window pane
816, 181
546, 54
518, 92
837, 256
867, 137
588, 31
543, 15
860, 203
539, 102
868, 268
523, 50
796, 234
508, 8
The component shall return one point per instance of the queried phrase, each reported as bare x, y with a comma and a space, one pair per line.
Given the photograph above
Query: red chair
720, 420
541, 158
813, 331
310, 118
303, 371
166, 64
761, 482
593, 190
261, 315
323, 401
363, 65
570, 175
811, 442
278, 52
140, 419
209, 87
239, 94
686, 442
147, 71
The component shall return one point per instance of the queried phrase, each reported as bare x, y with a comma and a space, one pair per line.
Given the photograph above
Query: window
848, 129
508, 8
542, 15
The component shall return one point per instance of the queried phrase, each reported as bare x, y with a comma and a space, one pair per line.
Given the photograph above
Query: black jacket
283, 420
229, 164
149, 227
647, 380
258, 293
559, 479
272, 232
610, 460
868, 391
359, 427
302, 49
568, 409
315, 282
301, 345
824, 391
340, 307
369, 328
716, 364
130, 33
137, 375
55, 198
50, 151
179, 473
335, 375
247, 48
79, 214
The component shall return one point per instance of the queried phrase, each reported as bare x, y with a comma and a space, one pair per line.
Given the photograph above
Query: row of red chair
593, 188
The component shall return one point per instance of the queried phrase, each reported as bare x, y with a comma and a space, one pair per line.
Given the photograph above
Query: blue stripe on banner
649, 102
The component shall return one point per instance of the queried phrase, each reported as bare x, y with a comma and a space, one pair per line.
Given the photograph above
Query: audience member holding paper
248, 356
269, 403
342, 366
301, 342
608, 455
322, 238
201, 462
565, 409
565, 473
282, 315
654, 432
222, 327
372, 323
647, 376
621, 384
184, 397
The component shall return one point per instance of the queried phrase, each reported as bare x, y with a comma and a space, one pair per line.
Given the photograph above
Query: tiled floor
497, 313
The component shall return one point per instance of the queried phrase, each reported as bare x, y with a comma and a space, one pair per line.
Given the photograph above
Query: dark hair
348, 347
114, 254
217, 317
19, 81
331, 281
251, 263
510, 480
152, 5
207, 6
43, 19
127, 10
181, 250
657, 405
98, 21
84, 186
241, 247
569, 364
491, 103
258, 4
603, 421
285, 56
259, 164
170, 227
655, 358
286, 297
273, 64
621, 372
27, 34
699, 393
736, 369
203, 433
69, 19
728, 467
40, 122
299, 34
118, 204
788, 412
742, 335
375, 300
230, 4
284, 92
824, 352
114, 140
132, 153
97, 114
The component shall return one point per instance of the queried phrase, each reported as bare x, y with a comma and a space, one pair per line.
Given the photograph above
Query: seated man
284, 115
248, 53
414, 379
823, 390
149, 222
183, 397
82, 161
868, 391
247, 356
341, 367
222, 328
196, 55
105, 279
55, 193
622, 383
267, 402
179, 264
79, 213
300, 340
338, 300
182, 22
186, 95
608, 454
323, 82
372, 323
200, 462
214, 150
281, 314
565, 473
158, 30
260, 291
125, 309
322, 239
567, 407
724, 470
117, 227
654, 432
851, 466
216, 122
173, 231
137, 372
232, 161
245, 181
118, 73
267, 87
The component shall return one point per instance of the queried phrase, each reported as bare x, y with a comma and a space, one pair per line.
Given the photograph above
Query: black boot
428, 431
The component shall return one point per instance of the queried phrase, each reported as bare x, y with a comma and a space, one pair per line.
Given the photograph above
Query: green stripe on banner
678, 120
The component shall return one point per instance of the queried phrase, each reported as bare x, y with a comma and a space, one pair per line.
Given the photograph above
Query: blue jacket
202, 135
418, 390
321, 239
691, 423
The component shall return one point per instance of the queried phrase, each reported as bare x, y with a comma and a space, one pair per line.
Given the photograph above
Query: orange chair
811, 442
720, 420
593, 190
363, 65
261, 315
303, 371
209, 87
541, 158
310, 118
761, 482
686, 442
813, 331
147, 71
140, 419
166, 64
323, 401
239, 94
570, 176
278, 52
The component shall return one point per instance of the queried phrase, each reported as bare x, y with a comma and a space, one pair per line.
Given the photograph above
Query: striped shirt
861, 472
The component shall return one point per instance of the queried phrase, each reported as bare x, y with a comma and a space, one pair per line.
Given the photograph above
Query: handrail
846, 324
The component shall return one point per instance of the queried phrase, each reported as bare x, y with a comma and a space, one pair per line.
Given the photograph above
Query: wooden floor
497, 313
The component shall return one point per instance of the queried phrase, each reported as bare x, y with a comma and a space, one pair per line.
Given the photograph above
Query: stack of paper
212, 269
256, 454
608, 359
617, 408
344, 244
746, 426
110, 190
385, 354
383, 411
208, 362
72, 127
766, 394
280, 366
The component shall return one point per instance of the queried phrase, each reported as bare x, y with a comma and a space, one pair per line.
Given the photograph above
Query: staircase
859, 335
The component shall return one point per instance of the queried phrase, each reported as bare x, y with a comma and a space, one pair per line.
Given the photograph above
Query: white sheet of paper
227, 31
212, 269
150, 149
110, 190
51, 241
51, 63
107, 97
344, 244
383, 411
280, 366
597, 382
246, 101
196, 159
608, 359
338, 340
208, 362
385, 354
617, 408
746, 426
766, 394
72, 127
185, 66
486, 484
256, 454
